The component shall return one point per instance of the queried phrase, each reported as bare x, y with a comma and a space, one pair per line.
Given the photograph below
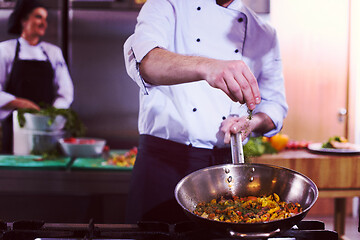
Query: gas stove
35, 230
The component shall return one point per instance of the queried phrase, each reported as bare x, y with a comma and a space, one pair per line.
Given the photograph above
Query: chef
197, 64
32, 72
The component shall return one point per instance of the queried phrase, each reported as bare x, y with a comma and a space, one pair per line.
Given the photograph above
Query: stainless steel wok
246, 180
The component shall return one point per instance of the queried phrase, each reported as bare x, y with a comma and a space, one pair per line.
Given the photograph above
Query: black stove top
31, 230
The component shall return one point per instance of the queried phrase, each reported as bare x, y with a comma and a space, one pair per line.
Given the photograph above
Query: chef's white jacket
62, 79
192, 113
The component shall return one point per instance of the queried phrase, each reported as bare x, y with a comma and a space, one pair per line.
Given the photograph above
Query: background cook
193, 71
31, 71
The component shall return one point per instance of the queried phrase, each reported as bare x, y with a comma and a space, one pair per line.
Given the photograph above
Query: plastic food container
82, 147
40, 122
41, 142
36, 142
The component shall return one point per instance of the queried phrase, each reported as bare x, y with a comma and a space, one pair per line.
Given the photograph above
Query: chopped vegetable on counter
293, 144
257, 146
123, 160
279, 141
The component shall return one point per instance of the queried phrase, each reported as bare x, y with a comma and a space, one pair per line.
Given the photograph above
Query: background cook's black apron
32, 80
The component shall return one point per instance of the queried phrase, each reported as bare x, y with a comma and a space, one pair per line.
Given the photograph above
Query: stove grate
306, 230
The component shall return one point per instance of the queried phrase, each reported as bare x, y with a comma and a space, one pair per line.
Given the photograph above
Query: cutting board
99, 163
32, 161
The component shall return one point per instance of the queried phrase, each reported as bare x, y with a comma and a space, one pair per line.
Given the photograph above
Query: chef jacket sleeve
155, 28
272, 89
63, 82
5, 98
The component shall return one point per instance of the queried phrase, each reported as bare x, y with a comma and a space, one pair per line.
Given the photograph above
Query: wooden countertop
336, 175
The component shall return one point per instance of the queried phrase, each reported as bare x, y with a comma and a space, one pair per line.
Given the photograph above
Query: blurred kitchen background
320, 48
92, 34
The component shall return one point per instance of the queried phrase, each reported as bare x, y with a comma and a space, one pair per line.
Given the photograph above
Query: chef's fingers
235, 79
243, 127
226, 128
249, 76
242, 84
234, 89
235, 125
226, 89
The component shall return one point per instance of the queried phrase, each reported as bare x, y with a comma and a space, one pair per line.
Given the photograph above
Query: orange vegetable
279, 141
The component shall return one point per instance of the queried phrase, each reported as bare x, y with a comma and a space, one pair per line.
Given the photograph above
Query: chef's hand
235, 79
259, 123
19, 103
235, 125
162, 67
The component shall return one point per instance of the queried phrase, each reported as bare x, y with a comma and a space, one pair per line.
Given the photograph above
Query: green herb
250, 112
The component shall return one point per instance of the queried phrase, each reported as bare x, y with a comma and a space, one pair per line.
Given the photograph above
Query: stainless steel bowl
79, 148
246, 180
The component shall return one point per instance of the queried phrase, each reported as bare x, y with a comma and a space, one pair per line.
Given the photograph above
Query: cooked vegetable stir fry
247, 209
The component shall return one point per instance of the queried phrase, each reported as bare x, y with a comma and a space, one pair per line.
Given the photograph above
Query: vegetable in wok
249, 209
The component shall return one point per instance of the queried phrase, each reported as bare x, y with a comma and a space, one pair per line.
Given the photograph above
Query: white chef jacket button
236, 50
198, 40
198, 8
194, 109
223, 118
240, 20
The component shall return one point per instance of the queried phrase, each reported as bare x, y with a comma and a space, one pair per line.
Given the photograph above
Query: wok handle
237, 152
253, 235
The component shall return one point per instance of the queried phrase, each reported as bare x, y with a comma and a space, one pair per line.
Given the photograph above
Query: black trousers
160, 165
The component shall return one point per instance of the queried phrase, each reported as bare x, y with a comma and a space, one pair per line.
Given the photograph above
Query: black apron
32, 80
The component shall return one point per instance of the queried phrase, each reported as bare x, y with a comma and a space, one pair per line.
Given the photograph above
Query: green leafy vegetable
256, 147
73, 126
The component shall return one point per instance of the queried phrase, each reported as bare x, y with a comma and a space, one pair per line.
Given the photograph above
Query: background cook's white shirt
62, 79
192, 113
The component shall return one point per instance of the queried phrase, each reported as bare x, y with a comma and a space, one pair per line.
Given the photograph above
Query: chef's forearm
262, 123
162, 67
19, 103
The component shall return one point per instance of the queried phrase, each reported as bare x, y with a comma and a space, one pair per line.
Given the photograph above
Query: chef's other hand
259, 123
235, 125
19, 103
235, 79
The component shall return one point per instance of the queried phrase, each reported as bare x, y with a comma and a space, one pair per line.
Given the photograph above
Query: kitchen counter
336, 175
101, 190
54, 191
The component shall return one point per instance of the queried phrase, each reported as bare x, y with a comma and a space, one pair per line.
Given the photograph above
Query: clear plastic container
36, 142
41, 122
28, 141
